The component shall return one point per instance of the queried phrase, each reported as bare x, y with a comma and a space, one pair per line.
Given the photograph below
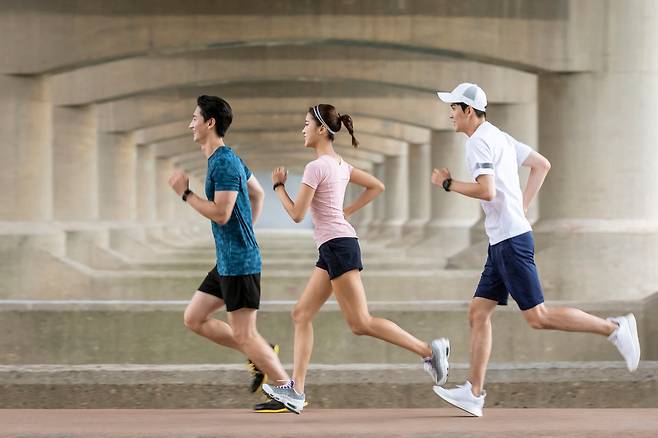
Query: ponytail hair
327, 116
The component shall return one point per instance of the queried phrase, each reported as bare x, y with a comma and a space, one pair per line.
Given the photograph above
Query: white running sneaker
437, 365
287, 395
462, 397
626, 340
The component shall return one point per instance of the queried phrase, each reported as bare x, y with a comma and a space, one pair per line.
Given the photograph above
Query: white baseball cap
468, 93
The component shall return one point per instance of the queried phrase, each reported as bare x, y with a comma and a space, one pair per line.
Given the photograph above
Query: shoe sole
272, 411
292, 408
632, 324
437, 391
282, 410
444, 353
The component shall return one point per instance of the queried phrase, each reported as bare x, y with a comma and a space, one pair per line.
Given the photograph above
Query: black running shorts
237, 291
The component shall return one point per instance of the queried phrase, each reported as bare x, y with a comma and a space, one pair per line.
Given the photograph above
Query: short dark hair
477, 111
213, 107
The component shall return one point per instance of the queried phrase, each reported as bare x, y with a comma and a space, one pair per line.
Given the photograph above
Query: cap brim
447, 97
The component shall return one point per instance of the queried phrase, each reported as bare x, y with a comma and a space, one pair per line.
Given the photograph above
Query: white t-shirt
490, 151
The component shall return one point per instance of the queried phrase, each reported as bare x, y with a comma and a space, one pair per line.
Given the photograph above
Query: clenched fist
440, 175
279, 175
179, 182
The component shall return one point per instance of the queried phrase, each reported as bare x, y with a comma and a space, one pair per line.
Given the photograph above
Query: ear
211, 122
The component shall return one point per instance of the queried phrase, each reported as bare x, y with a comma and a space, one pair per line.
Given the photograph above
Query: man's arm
483, 188
539, 167
256, 197
218, 210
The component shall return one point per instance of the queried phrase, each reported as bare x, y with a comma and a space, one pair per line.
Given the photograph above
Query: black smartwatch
446, 184
277, 185
186, 193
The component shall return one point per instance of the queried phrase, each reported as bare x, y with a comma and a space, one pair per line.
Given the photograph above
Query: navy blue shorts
340, 255
510, 270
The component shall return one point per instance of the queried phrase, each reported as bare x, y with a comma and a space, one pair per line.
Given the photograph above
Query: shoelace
288, 385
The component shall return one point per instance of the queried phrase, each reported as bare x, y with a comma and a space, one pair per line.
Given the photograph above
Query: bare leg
567, 319
198, 319
351, 297
252, 344
316, 293
479, 318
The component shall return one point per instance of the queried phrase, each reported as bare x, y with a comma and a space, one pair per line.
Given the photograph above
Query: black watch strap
446, 184
186, 193
277, 185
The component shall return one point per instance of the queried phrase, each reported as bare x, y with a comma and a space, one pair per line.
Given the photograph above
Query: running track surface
319, 423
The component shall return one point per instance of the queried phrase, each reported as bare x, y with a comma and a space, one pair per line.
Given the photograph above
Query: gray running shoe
438, 366
287, 395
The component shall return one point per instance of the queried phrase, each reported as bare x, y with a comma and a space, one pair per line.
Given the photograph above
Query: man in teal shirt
234, 202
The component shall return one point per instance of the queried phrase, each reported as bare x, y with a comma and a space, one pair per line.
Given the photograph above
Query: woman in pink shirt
338, 267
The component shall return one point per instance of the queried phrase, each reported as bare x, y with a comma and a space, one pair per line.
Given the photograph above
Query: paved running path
320, 423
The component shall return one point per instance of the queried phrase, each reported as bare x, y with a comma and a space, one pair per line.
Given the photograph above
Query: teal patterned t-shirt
235, 243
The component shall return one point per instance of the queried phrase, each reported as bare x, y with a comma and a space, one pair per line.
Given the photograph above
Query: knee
300, 316
477, 317
360, 326
192, 322
537, 321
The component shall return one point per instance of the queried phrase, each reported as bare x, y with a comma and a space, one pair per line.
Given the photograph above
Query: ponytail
346, 120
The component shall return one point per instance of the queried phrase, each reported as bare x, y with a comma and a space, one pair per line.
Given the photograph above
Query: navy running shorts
510, 270
340, 255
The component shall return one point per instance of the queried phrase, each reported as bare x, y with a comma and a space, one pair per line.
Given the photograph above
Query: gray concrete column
379, 204
165, 197
599, 207
420, 171
397, 193
452, 215
362, 218
75, 164
26, 144
146, 183
117, 170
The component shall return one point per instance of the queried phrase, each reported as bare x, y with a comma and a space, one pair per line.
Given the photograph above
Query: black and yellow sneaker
271, 407
258, 377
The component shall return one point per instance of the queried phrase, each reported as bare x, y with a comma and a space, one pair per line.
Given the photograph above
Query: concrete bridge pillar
396, 194
420, 190
117, 169
25, 168
451, 215
599, 205
75, 164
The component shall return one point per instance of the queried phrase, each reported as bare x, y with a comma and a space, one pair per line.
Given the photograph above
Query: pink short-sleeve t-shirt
329, 178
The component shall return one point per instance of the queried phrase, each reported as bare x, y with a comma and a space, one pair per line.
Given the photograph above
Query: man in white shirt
492, 159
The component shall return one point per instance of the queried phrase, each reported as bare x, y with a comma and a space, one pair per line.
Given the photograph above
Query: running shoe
462, 397
287, 395
437, 365
626, 340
